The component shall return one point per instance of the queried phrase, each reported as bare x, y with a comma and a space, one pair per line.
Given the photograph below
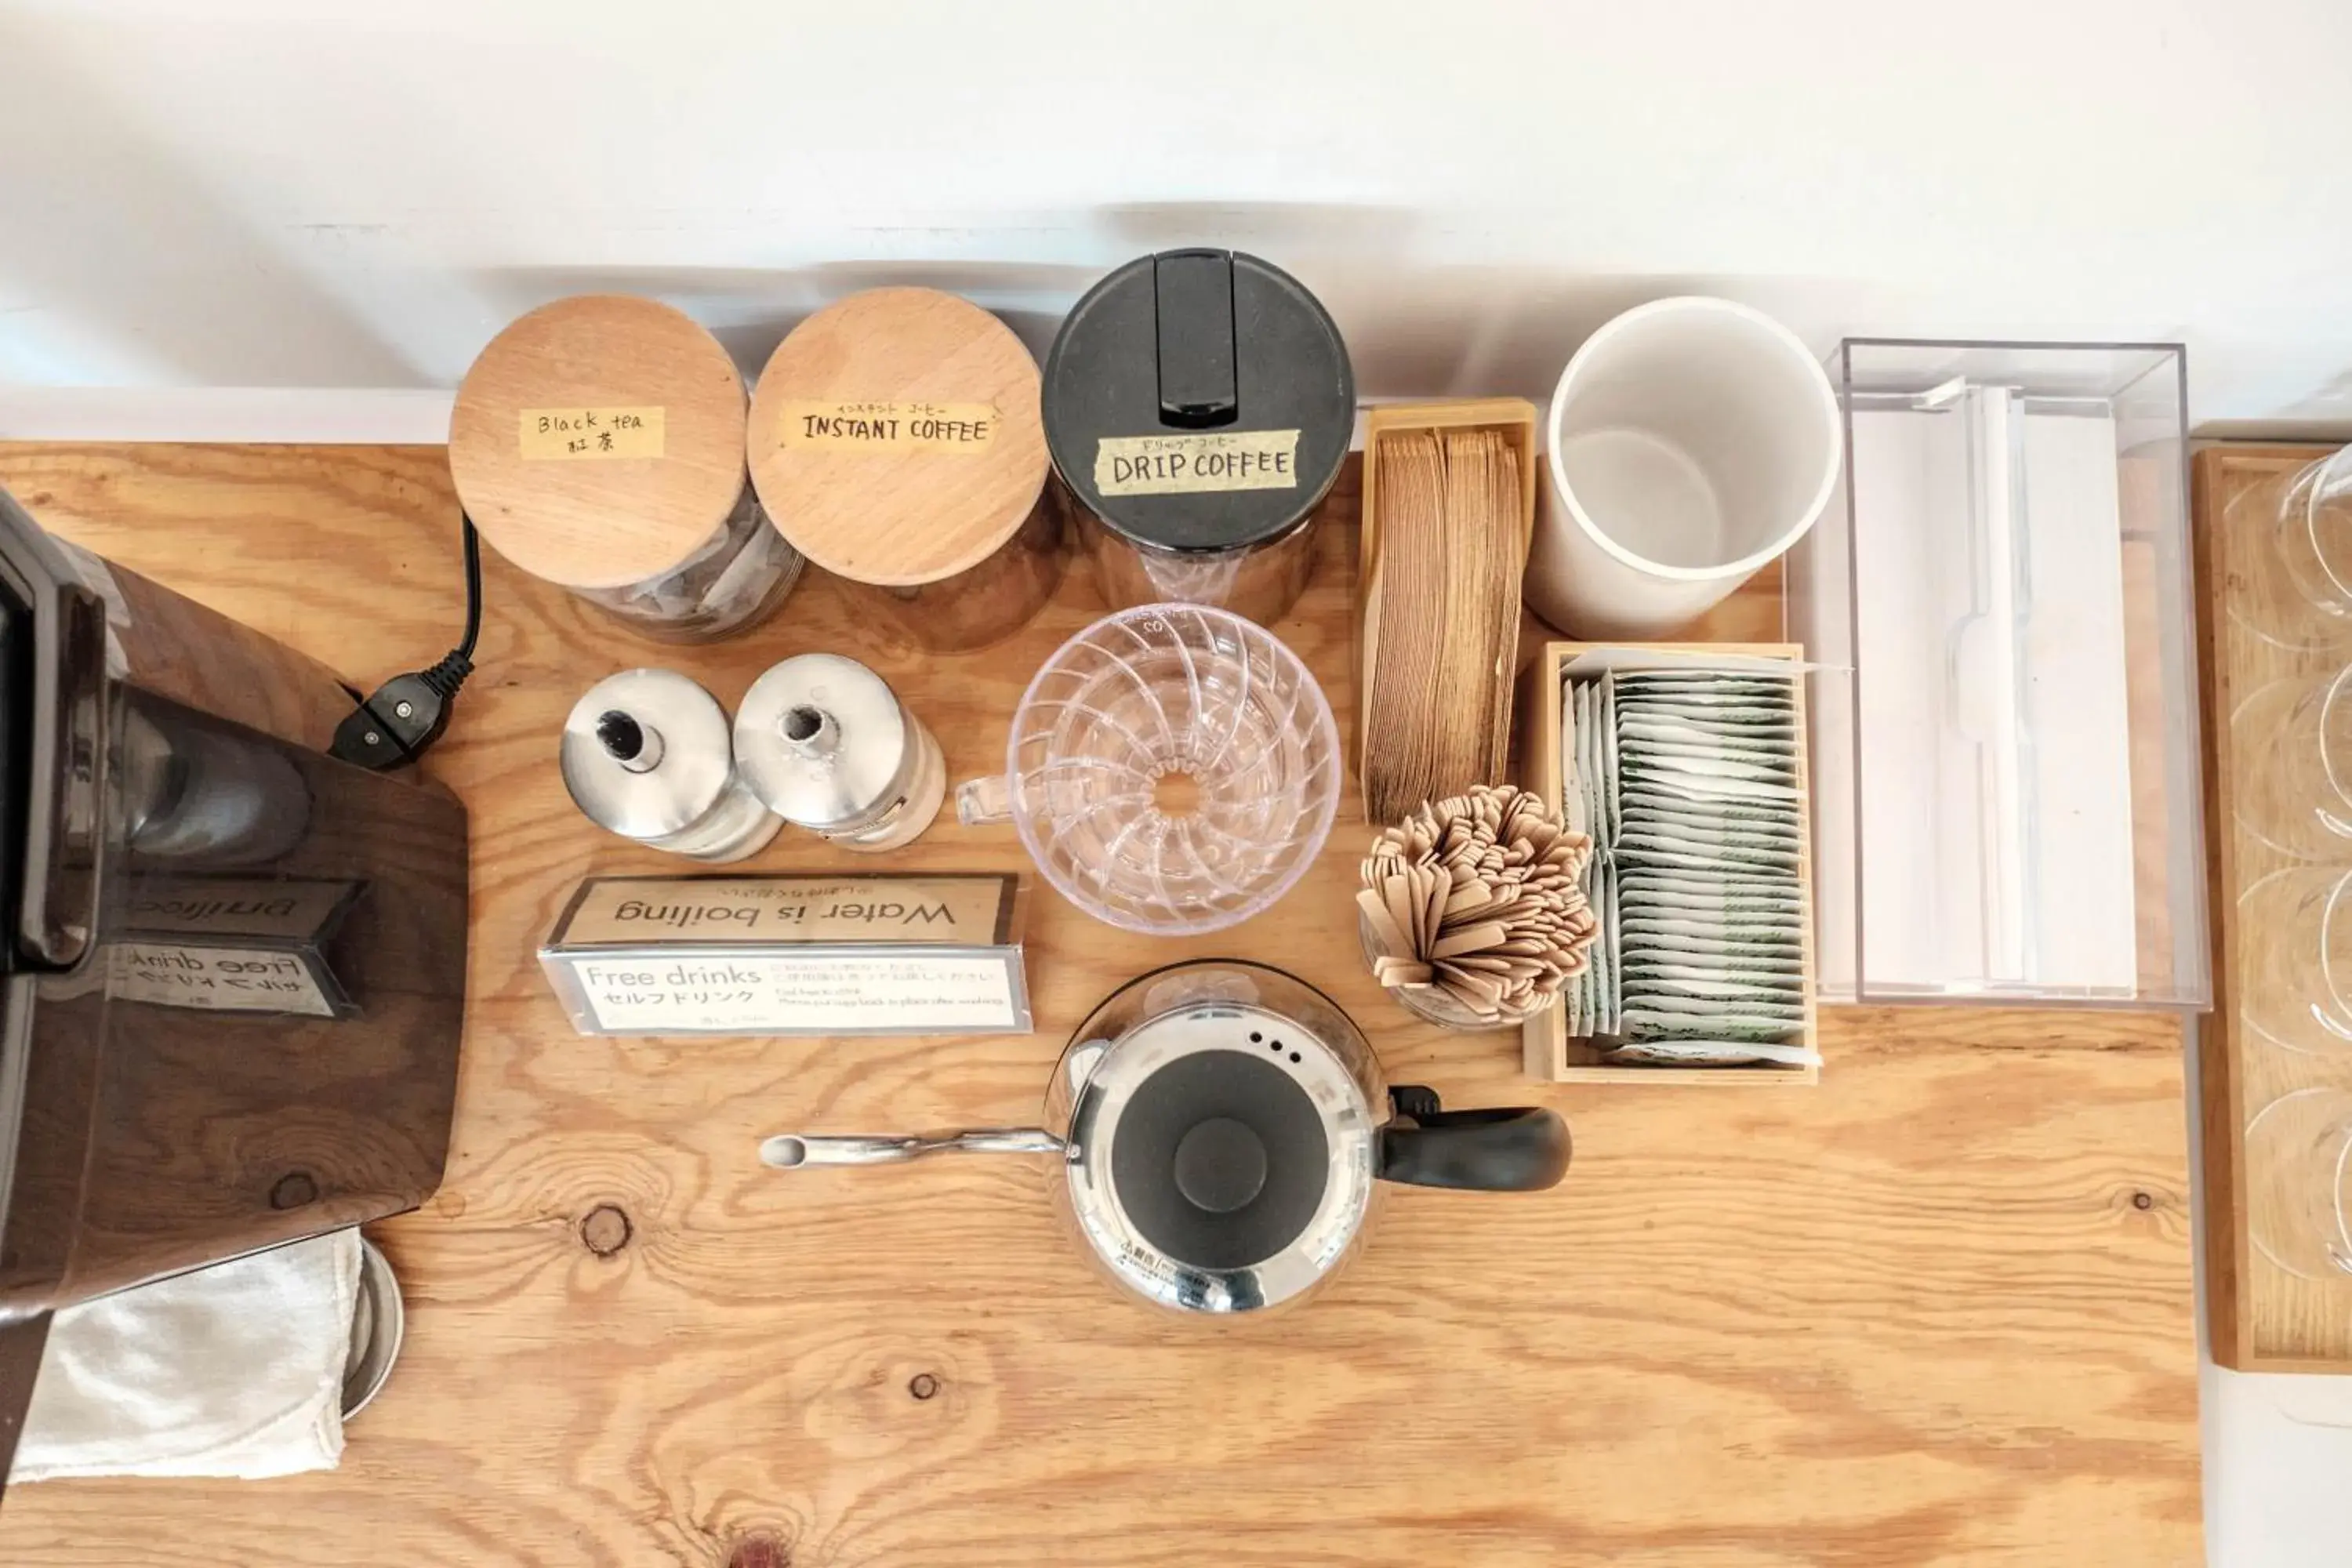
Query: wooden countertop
1936, 1310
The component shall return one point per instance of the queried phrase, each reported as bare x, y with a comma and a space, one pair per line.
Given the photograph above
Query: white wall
313, 193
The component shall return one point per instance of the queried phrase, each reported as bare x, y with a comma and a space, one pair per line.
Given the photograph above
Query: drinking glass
2293, 742
2296, 947
2302, 567
2299, 1182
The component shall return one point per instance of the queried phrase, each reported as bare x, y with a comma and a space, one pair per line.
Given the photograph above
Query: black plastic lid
1198, 400
1221, 1161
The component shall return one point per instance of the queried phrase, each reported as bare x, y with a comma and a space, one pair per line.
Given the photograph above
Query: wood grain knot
760, 1552
923, 1386
2143, 1200
294, 1190
606, 1231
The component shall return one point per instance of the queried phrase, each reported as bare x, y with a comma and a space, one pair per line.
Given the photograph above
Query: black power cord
408, 712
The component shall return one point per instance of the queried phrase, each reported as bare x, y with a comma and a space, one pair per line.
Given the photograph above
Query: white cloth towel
235, 1371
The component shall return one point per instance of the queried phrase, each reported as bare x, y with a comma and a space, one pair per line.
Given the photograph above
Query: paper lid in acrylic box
2007, 797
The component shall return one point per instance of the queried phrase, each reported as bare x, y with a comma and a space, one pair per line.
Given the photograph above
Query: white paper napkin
232, 1371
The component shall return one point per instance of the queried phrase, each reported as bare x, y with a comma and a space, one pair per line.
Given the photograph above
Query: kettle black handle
1513, 1149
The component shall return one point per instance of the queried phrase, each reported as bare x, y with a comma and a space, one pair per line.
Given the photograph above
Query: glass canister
895, 440
1198, 405
598, 444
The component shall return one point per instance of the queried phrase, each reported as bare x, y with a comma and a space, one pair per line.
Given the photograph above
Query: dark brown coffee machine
235, 968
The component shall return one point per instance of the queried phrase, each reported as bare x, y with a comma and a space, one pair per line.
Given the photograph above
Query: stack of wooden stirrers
1480, 896
1444, 615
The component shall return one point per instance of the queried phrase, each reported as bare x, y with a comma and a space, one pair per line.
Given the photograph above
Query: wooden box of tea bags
1685, 764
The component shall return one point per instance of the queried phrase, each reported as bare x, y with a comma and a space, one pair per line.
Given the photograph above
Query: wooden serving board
2259, 1317
1935, 1311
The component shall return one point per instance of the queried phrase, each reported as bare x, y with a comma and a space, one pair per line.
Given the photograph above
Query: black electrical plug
408, 712
407, 715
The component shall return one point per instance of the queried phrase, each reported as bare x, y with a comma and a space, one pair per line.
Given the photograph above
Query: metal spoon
791, 1150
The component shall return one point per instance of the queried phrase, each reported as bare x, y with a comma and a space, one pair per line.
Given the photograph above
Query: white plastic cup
1692, 440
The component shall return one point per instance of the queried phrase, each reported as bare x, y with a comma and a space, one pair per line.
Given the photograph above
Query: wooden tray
1547, 1051
2262, 1318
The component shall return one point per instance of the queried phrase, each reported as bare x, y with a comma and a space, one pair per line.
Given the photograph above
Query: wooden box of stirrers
1548, 1052
1438, 608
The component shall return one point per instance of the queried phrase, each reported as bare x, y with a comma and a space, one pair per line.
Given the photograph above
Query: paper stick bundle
1478, 896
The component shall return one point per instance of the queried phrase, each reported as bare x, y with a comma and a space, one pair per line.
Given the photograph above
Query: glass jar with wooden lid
895, 439
598, 444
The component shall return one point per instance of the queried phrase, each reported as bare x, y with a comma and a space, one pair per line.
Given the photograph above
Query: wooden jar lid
598, 441
895, 437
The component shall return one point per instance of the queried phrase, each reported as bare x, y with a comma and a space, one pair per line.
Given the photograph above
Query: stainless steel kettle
1222, 1128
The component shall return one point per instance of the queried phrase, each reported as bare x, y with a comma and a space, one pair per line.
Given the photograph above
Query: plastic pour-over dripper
1173, 769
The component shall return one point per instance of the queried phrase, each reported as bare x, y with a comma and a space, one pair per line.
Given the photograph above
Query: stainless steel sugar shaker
826, 744
647, 754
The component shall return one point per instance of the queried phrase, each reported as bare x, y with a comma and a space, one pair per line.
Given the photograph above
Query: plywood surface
1936, 1310
2263, 1318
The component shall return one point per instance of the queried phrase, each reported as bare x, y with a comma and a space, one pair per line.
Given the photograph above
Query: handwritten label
560, 435
1210, 460
771, 993
873, 427
214, 979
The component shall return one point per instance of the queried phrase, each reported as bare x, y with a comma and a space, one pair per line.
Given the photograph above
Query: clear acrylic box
2008, 804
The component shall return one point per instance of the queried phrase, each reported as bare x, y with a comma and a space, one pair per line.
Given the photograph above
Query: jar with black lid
1198, 405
